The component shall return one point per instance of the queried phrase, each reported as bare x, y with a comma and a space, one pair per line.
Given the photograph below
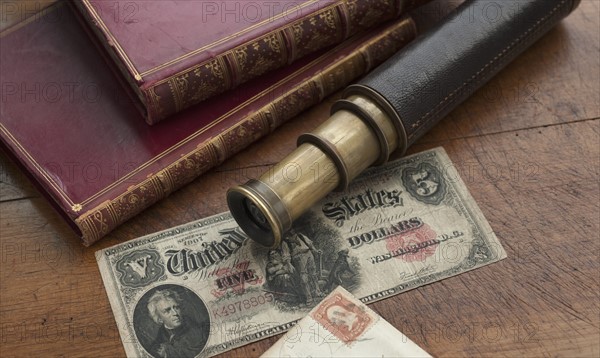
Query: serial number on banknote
245, 304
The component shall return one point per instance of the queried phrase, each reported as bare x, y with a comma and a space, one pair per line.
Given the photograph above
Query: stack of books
109, 106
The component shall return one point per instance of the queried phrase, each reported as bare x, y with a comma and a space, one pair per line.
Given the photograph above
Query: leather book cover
175, 54
68, 122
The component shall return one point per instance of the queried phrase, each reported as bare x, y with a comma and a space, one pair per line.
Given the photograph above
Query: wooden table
528, 147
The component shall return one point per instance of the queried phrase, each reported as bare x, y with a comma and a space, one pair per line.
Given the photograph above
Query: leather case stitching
486, 68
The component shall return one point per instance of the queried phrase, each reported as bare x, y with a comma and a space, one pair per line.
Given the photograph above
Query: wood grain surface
527, 146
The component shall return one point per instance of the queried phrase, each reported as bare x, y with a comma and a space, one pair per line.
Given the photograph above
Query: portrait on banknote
171, 321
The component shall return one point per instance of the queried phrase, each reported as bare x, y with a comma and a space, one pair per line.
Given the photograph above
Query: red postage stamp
345, 319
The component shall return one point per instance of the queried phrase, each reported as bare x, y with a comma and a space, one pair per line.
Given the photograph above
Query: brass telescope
391, 108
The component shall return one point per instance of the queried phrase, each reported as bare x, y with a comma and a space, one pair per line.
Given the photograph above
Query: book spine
323, 28
99, 221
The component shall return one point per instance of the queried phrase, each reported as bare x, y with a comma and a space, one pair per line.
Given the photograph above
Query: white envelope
342, 326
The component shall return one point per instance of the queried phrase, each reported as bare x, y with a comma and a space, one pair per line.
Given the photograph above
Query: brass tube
302, 178
356, 136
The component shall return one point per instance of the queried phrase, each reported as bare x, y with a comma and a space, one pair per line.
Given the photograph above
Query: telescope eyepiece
259, 212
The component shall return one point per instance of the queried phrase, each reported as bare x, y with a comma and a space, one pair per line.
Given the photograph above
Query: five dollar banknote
203, 288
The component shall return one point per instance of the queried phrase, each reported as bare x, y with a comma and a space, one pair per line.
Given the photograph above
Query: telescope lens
256, 215
242, 201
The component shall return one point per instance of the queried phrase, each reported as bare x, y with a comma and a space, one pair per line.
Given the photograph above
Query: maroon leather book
66, 119
175, 54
